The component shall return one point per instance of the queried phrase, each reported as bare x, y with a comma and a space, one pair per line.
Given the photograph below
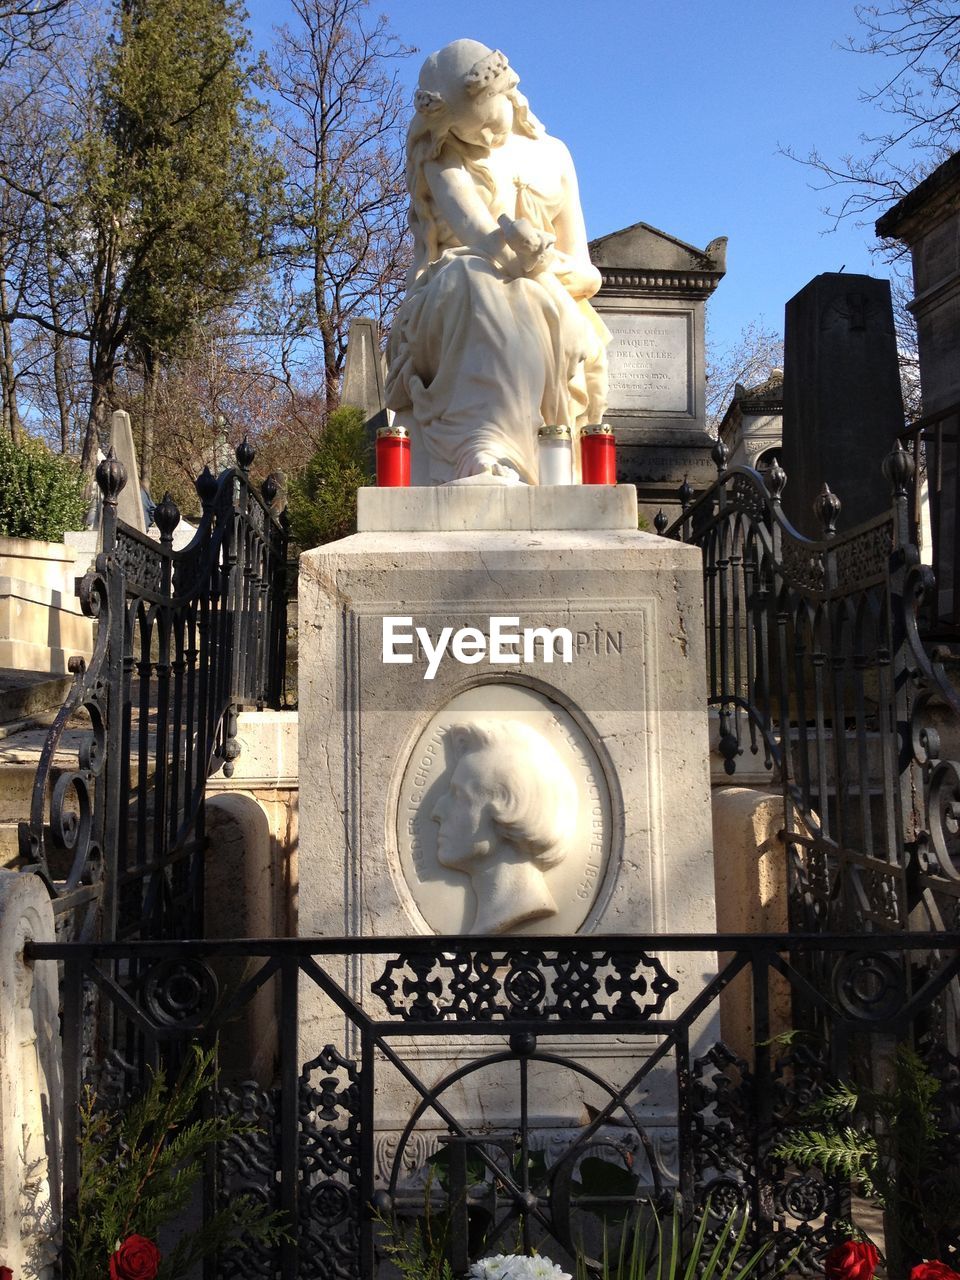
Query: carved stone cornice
624, 281
643, 261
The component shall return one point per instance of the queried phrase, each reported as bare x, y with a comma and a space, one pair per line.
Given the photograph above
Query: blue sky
674, 111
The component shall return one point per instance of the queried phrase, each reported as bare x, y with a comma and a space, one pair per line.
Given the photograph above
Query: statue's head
460, 87
466, 103
460, 76
510, 794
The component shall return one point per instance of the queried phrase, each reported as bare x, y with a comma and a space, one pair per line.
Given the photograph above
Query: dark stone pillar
842, 404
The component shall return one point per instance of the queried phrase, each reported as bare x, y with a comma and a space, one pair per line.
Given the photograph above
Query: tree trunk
96, 431
8, 375
61, 392
60, 386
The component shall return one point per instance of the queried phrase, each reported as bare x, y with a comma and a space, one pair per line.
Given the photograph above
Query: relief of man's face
467, 828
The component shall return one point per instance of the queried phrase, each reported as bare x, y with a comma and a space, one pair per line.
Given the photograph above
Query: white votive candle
556, 455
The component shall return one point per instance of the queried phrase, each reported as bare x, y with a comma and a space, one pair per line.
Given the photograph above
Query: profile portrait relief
507, 816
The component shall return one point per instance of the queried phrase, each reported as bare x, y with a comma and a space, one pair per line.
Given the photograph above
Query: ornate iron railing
184, 639
547, 1082
817, 669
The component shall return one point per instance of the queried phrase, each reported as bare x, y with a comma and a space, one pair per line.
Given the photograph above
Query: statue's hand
488, 470
533, 248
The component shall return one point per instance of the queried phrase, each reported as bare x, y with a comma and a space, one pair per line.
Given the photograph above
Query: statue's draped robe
478, 362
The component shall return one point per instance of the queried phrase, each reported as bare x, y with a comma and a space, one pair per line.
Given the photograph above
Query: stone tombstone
927, 220
502, 731
842, 403
652, 300
130, 502
363, 373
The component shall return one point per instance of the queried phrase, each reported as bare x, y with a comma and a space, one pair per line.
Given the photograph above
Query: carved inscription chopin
649, 362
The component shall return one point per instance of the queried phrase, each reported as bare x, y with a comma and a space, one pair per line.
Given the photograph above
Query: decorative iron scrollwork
180, 993
461, 985
183, 638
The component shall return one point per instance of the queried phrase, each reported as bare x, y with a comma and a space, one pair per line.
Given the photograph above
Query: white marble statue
496, 336
507, 816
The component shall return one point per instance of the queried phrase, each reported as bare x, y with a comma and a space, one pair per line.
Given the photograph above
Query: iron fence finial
245, 454
111, 477
826, 507
898, 467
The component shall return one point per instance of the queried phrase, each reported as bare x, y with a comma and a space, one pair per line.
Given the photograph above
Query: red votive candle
393, 457
598, 455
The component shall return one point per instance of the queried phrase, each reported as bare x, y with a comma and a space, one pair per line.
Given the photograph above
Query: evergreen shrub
322, 501
41, 493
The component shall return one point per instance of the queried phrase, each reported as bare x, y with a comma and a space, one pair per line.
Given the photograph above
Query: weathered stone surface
751, 880
842, 403
41, 623
363, 373
31, 1083
453, 507
130, 502
626, 715
650, 362
928, 221
752, 426
652, 301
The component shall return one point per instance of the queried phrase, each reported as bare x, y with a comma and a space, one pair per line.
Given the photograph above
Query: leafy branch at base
138, 1172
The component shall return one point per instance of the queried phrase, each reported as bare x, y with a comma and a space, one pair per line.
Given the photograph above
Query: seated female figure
495, 337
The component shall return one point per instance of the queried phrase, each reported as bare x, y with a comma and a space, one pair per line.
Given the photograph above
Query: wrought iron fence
184, 639
817, 668
529, 1088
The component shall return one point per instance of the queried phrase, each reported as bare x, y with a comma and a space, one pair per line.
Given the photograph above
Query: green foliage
175, 186
41, 493
607, 1180
419, 1251
890, 1145
323, 497
138, 1171
647, 1253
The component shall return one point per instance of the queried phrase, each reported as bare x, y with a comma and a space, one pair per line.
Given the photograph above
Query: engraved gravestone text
649, 364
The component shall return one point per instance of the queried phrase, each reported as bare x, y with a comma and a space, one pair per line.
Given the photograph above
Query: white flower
514, 1266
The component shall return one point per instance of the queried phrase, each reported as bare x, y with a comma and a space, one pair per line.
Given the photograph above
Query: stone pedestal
574, 650
652, 301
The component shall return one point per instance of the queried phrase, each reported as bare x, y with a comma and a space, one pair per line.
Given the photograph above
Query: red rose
933, 1271
137, 1259
6, 1273
852, 1260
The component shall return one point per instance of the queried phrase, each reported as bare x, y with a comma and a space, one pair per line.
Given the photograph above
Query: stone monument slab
842, 403
130, 502
363, 373
445, 668
652, 301
650, 362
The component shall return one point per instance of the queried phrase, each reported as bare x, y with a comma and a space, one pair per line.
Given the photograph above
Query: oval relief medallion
504, 816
